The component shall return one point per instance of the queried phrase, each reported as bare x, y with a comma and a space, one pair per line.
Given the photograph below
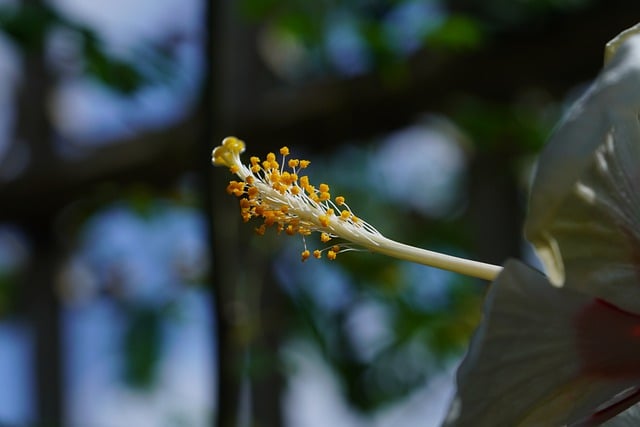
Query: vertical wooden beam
45, 319
223, 235
35, 130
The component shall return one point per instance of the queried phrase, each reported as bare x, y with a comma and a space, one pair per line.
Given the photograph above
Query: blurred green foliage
30, 24
10, 295
142, 345
446, 26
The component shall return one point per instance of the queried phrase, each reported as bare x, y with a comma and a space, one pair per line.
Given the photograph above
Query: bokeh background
130, 292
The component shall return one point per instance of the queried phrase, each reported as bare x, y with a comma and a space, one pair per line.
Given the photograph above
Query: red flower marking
608, 341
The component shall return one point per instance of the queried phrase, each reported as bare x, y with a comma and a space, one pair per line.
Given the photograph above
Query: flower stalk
276, 192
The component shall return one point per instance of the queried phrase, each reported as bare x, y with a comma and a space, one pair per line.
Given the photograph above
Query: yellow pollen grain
305, 255
279, 187
269, 218
304, 163
344, 215
336, 248
317, 254
340, 200
293, 163
284, 151
324, 237
323, 188
271, 157
331, 255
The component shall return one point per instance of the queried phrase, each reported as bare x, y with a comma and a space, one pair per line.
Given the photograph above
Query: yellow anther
284, 151
344, 215
324, 237
290, 230
269, 218
261, 230
271, 157
336, 248
331, 255
254, 160
236, 188
324, 196
295, 190
323, 188
304, 163
340, 200
324, 220
279, 187
330, 212
234, 169
305, 255
304, 181
293, 163
317, 254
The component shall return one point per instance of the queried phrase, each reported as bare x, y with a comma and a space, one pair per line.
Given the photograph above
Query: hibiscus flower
565, 349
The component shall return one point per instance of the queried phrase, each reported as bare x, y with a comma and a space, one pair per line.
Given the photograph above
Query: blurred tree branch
549, 57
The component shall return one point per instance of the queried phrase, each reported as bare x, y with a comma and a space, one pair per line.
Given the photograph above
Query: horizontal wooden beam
552, 56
